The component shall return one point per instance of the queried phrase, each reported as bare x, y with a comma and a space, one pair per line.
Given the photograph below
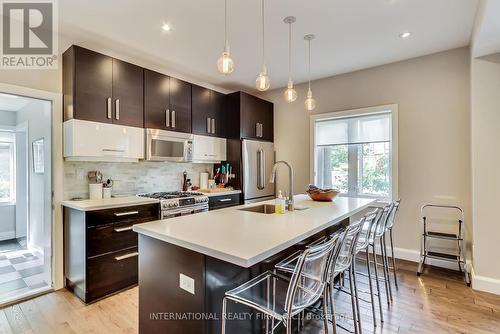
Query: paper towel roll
204, 180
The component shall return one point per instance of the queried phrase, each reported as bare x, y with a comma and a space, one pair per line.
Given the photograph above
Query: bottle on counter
278, 203
284, 201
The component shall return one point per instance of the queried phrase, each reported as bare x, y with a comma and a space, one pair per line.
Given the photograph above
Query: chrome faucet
290, 181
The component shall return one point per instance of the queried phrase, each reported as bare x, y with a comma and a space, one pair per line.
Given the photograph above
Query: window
353, 152
7, 163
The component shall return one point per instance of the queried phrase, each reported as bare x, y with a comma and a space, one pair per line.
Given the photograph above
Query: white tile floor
21, 272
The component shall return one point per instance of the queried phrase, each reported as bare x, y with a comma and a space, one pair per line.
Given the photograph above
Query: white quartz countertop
221, 193
246, 238
110, 203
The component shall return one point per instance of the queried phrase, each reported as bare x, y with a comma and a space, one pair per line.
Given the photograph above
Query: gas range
179, 203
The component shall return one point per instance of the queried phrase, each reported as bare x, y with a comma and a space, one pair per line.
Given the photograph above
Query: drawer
138, 213
223, 201
103, 239
111, 272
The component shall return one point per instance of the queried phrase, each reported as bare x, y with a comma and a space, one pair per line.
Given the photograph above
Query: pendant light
225, 64
309, 102
290, 93
262, 82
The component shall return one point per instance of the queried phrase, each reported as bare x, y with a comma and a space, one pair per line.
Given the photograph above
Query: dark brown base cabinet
223, 201
101, 251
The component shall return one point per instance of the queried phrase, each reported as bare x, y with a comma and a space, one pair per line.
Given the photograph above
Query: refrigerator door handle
261, 169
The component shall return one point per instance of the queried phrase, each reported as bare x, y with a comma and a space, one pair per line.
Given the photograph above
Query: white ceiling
10, 102
486, 39
351, 34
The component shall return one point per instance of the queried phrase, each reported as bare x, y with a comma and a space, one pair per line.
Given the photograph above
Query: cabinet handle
108, 108
209, 130
173, 118
257, 129
123, 229
225, 200
213, 125
128, 213
261, 130
112, 150
126, 256
117, 109
167, 118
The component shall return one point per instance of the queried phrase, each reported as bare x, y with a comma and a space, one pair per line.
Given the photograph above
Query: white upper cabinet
209, 149
93, 141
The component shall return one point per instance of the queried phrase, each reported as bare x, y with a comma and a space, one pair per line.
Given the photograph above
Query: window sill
7, 203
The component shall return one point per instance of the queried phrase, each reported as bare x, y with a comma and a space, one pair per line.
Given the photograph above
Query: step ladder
460, 257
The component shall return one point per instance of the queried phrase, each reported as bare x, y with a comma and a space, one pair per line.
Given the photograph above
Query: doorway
25, 197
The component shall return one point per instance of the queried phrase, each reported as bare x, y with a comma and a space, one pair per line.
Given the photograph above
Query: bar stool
365, 235
378, 236
341, 262
306, 286
389, 226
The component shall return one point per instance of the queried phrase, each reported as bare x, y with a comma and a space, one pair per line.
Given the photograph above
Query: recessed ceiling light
165, 27
405, 34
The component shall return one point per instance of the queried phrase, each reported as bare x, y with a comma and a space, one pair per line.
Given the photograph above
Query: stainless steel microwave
164, 145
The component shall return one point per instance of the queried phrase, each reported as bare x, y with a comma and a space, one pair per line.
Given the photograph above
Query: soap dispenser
278, 203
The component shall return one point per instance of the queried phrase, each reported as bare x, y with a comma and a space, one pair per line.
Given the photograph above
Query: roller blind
354, 130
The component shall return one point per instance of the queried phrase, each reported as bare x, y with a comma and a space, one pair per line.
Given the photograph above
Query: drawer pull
124, 229
126, 256
128, 213
225, 200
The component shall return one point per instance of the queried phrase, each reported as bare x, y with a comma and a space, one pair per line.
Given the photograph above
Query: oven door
168, 146
188, 210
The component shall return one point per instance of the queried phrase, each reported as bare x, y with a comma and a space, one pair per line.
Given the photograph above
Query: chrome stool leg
375, 265
356, 295
353, 302
370, 284
386, 266
224, 311
393, 261
332, 308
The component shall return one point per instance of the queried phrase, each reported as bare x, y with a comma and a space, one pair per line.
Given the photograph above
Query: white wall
37, 115
7, 117
485, 122
432, 93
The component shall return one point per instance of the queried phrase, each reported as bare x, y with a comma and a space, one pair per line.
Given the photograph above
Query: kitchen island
187, 263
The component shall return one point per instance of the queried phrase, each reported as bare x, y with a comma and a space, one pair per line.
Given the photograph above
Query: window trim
393, 108
12, 200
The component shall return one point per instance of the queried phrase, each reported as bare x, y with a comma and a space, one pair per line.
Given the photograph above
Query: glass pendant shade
225, 64
290, 93
262, 83
310, 103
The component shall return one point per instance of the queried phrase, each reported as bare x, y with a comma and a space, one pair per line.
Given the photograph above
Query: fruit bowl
321, 195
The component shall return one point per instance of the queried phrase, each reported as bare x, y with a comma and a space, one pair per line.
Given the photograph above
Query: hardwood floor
436, 302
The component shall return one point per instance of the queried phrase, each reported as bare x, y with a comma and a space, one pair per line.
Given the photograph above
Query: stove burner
171, 194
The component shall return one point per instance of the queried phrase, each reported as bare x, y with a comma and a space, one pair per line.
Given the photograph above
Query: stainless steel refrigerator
258, 161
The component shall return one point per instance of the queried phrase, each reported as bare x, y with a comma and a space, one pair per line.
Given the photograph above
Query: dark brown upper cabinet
208, 112
128, 94
102, 89
167, 102
254, 115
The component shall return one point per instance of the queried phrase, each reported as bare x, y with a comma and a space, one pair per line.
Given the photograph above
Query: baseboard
413, 255
7, 235
486, 284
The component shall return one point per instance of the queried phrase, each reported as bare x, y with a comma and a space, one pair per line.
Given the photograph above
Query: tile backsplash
130, 178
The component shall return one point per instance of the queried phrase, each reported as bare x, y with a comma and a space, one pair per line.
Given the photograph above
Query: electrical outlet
186, 283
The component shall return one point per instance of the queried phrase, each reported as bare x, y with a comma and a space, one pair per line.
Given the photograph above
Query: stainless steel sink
263, 208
